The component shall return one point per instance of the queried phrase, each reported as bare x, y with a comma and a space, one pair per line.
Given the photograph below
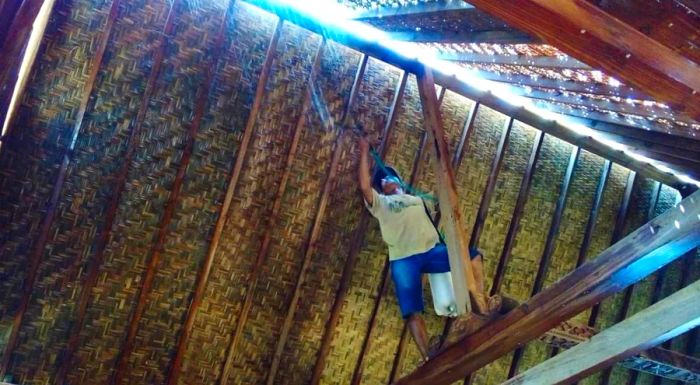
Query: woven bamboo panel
230, 101
496, 225
532, 233
337, 72
190, 53
372, 109
575, 216
454, 110
300, 203
262, 169
29, 162
605, 223
568, 241
90, 179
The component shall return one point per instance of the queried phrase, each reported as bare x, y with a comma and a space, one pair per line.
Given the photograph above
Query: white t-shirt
404, 224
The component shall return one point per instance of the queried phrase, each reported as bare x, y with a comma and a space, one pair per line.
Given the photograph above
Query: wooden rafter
451, 215
548, 251
653, 149
355, 245
97, 259
519, 80
674, 233
514, 224
593, 36
651, 326
375, 48
311, 243
204, 272
34, 261
156, 251
421, 9
491, 37
272, 219
517, 60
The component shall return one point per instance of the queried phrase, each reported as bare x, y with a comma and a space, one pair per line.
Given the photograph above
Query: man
414, 243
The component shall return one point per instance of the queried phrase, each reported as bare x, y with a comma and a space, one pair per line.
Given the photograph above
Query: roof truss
414, 9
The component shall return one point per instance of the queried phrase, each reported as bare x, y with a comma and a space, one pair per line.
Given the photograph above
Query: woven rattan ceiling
456, 31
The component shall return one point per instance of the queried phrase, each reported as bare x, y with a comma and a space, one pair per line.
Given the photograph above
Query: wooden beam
204, 272
660, 241
272, 219
120, 374
514, 224
355, 245
456, 237
618, 49
311, 243
37, 252
13, 45
490, 184
563, 98
444, 37
411, 9
546, 257
670, 154
365, 44
466, 134
651, 326
617, 231
518, 81
97, 259
646, 136
516, 60
593, 216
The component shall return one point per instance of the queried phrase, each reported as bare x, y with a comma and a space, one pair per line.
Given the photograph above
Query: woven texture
231, 99
29, 164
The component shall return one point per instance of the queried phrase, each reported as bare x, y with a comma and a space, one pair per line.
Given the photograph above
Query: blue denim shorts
407, 274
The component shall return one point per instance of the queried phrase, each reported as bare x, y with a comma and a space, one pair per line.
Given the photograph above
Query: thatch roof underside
175, 210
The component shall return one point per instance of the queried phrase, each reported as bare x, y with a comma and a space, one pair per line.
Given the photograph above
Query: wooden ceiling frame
541, 61
375, 48
422, 8
618, 49
490, 37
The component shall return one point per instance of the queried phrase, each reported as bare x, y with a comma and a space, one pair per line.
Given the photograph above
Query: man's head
387, 181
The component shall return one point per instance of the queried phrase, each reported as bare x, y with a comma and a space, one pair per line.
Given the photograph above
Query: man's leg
420, 336
478, 271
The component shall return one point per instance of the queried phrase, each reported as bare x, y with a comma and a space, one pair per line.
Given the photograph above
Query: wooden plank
370, 46
487, 194
512, 232
444, 37
617, 232
412, 9
518, 81
384, 279
451, 215
593, 216
651, 326
545, 98
653, 149
50, 214
272, 219
18, 30
311, 243
204, 272
91, 276
662, 240
516, 60
122, 362
466, 134
545, 259
355, 245
618, 49
646, 136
